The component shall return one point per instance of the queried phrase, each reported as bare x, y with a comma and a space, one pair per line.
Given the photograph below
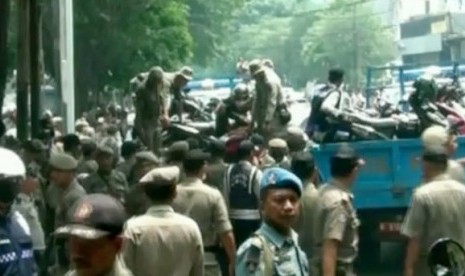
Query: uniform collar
275, 237
155, 209
341, 186
190, 180
443, 176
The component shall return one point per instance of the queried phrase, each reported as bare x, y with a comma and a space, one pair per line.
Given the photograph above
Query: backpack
317, 119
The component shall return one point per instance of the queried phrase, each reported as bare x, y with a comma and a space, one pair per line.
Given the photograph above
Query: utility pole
35, 58
4, 20
23, 73
355, 43
64, 39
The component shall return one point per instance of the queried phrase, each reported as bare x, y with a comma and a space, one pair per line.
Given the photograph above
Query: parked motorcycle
180, 132
446, 257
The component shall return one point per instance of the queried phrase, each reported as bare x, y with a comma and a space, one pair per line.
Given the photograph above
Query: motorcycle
181, 132
446, 257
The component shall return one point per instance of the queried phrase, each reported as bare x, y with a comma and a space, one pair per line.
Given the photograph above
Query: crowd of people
93, 203
241, 207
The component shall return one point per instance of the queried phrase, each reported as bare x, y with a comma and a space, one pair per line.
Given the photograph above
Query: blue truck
384, 186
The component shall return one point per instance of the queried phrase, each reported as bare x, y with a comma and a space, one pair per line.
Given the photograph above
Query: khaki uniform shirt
162, 242
25, 205
62, 200
215, 174
455, 171
87, 167
119, 269
206, 206
436, 211
126, 166
305, 225
114, 184
336, 219
267, 98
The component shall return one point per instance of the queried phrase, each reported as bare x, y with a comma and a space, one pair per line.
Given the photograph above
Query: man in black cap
216, 165
336, 222
87, 165
72, 145
435, 212
60, 197
106, 180
241, 190
161, 241
128, 152
328, 105
206, 206
94, 229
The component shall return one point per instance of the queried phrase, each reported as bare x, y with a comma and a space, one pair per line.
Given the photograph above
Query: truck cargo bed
391, 172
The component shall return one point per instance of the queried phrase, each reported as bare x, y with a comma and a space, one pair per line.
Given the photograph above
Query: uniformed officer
106, 180
262, 158
436, 211
241, 191
128, 152
136, 202
176, 154
161, 240
94, 229
335, 219
438, 135
274, 249
303, 166
216, 165
72, 145
296, 139
268, 96
206, 206
145, 162
25, 204
61, 195
173, 83
278, 150
16, 254
87, 165
150, 108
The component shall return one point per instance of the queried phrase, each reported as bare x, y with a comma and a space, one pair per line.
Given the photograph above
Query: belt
244, 214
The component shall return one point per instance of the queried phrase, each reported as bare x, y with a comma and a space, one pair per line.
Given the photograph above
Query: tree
131, 36
209, 24
347, 35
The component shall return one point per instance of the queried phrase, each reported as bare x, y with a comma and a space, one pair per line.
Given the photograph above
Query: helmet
12, 165
241, 91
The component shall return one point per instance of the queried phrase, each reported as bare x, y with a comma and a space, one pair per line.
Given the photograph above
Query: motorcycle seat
202, 127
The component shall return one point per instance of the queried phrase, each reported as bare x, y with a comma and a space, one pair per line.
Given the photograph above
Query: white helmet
11, 164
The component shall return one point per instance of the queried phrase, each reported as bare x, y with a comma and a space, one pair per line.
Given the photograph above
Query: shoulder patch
253, 256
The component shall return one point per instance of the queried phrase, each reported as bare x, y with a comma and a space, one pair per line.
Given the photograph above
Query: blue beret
281, 178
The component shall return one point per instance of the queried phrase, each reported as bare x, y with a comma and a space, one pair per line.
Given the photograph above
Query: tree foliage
350, 37
208, 24
114, 40
305, 39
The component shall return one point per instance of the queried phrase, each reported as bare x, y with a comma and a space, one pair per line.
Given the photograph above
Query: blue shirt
16, 253
288, 258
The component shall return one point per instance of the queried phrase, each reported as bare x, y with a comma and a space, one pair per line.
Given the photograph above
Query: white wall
409, 8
